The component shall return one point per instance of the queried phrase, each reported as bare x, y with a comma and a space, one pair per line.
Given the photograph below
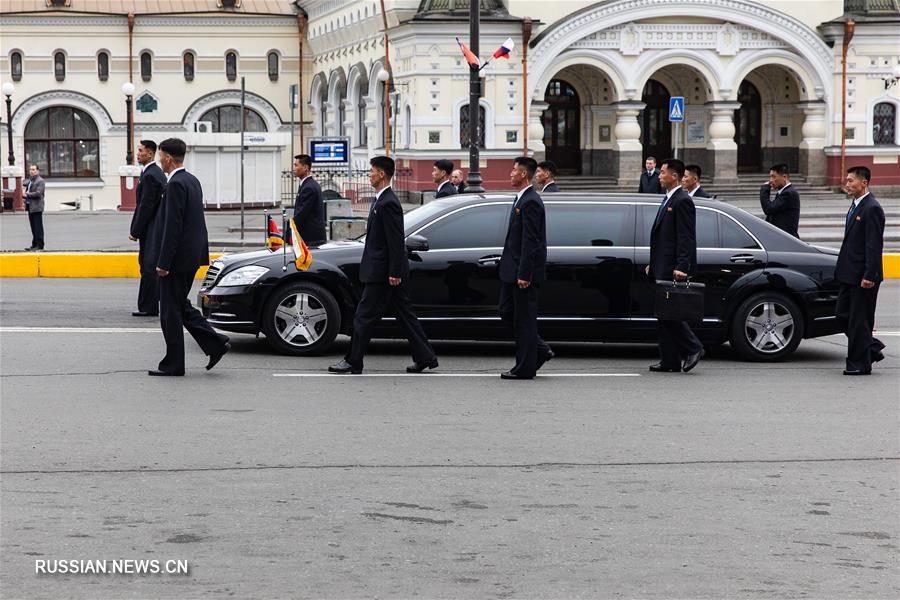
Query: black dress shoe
661, 368
511, 375
857, 372
140, 313
877, 356
30, 249
544, 359
215, 358
691, 361
418, 367
344, 367
158, 373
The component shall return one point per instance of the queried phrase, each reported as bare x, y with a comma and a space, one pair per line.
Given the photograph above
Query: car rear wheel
301, 319
767, 327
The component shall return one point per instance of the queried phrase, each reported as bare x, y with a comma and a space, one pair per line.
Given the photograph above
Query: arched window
884, 124
272, 61
227, 119
146, 66
231, 66
63, 142
15, 66
59, 66
188, 66
464, 126
103, 66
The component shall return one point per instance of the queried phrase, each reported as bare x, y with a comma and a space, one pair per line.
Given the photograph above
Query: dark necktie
850, 213
662, 206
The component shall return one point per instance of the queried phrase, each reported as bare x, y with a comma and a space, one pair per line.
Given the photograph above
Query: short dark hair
149, 145
653, 158
529, 163
695, 169
674, 165
385, 163
35, 166
174, 147
861, 172
781, 169
548, 165
444, 165
304, 159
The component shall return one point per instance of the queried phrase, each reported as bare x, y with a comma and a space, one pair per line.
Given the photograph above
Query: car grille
212, 273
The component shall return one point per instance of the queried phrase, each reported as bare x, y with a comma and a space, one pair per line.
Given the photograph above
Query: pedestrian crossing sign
676, 108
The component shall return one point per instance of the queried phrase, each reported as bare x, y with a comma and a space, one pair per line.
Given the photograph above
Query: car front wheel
767, 327
301, 319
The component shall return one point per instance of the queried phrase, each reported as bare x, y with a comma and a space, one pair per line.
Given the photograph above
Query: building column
812, 148
536, 130
721, 145
628, 162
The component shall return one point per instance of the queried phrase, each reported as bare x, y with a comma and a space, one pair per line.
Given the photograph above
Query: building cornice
147, 21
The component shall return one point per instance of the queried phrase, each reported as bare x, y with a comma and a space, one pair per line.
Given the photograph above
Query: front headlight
243, 276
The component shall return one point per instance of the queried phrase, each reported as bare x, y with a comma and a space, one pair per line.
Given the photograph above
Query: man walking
522, 271
650, 178
545, 176
34, 204
382, 271
440, 175
309, 207
144, 230
860, 273
691, 182
673, 255
782, 211
183, 248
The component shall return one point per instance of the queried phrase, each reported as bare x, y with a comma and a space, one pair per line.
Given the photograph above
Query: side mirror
417, 243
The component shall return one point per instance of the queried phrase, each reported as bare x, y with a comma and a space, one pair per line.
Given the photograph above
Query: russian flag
470, 58
504, 50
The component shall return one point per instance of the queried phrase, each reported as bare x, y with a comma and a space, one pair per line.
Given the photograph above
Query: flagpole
266, 227
526, 39
474, 182
284, 239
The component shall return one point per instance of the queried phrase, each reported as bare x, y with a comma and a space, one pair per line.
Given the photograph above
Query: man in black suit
650, 178
457, 179
673, 255
440, 174
691, 182
309, 207
545, 176
144, 230
382, 270
782, 211
860, 273
183, 247
522, 271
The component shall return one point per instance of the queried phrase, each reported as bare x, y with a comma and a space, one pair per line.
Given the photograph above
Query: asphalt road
596, 480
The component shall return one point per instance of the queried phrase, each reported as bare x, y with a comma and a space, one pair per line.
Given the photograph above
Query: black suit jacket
309, 212
144, 222
701, 193
446, 189
673, 238
550, 187
860, 255
461, 188
525, 250
783, 211
384, 254
183, 243
650, 183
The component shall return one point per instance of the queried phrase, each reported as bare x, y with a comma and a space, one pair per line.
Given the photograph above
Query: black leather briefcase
679, 301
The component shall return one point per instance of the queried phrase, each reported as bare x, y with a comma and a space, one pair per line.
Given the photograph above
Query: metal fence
341, 183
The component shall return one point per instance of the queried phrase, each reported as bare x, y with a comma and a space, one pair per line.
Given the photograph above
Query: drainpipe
387, 87
301, 32
848, 35
130, 54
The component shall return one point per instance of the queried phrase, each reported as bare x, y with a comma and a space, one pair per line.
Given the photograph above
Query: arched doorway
656, 130
748, 128
561, 123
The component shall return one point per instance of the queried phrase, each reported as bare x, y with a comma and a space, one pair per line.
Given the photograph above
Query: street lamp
128, 90
8, 89
473, 184
384, 77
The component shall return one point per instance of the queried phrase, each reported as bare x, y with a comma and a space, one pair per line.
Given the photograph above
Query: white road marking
428, 375
79, 330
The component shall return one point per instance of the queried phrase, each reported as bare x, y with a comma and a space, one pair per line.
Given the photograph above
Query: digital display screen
329, 151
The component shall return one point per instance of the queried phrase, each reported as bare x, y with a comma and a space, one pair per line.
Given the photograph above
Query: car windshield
417, 217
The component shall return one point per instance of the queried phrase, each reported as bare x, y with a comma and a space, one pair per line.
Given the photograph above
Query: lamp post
128, 90
8, 89
473, 183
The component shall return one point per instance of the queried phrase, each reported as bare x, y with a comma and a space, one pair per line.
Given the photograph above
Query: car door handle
487, 260
742, 258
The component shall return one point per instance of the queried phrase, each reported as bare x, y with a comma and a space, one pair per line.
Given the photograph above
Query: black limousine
765, 290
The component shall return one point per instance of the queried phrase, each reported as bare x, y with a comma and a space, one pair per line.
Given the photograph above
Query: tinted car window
707, 236
589, 224
733, 235
473, 227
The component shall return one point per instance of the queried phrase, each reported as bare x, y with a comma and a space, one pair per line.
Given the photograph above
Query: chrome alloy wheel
769, 327
300, 319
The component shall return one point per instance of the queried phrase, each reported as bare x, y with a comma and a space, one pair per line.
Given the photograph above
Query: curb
125, 264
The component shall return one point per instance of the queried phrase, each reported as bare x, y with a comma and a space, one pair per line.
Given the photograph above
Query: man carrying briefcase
673, 255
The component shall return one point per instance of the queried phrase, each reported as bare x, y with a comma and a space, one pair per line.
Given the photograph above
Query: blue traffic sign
676, 108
